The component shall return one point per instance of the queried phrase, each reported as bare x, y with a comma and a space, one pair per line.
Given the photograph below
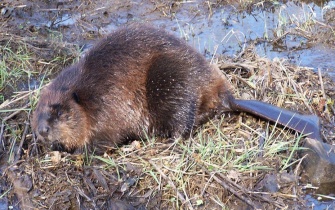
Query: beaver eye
75, 97
56, 109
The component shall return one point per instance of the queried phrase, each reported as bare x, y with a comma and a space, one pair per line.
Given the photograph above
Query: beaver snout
43, 130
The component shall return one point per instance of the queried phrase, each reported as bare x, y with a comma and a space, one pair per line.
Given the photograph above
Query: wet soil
300, 32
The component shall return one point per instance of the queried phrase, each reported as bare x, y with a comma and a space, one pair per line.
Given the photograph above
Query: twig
1, 135
239, 195
257, 194
82, 193
244, 81
230, 189
321, 83
23, 138
54, 9
279, 38
303, 98
179, 194
247, 67
22, 96
13, 114
225, 183
34, 150
3, 124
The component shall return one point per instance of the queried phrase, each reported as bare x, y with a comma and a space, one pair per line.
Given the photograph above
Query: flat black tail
305, 124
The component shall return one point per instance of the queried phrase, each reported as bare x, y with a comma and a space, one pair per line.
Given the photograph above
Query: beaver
139, 81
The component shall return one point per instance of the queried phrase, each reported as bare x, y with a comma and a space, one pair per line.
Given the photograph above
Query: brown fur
137, 80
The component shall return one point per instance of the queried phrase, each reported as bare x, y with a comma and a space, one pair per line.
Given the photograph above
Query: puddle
228, 31
313, 203
66, 20
211, 28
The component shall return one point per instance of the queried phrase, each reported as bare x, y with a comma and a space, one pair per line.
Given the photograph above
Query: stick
321, 83
23, 138
1, 135
237, 194
230, 189
3, 124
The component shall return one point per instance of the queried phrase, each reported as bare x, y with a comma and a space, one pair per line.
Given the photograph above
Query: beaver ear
75, 97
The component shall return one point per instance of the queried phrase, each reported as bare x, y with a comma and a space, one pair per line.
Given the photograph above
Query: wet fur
137, 80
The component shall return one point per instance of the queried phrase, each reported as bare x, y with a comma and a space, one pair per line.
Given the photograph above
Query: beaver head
60, 119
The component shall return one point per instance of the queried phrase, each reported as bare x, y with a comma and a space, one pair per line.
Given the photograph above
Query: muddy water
297, 49
224, 29
228, 31
212, 28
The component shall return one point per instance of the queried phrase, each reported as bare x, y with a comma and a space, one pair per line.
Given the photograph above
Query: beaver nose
43, 130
